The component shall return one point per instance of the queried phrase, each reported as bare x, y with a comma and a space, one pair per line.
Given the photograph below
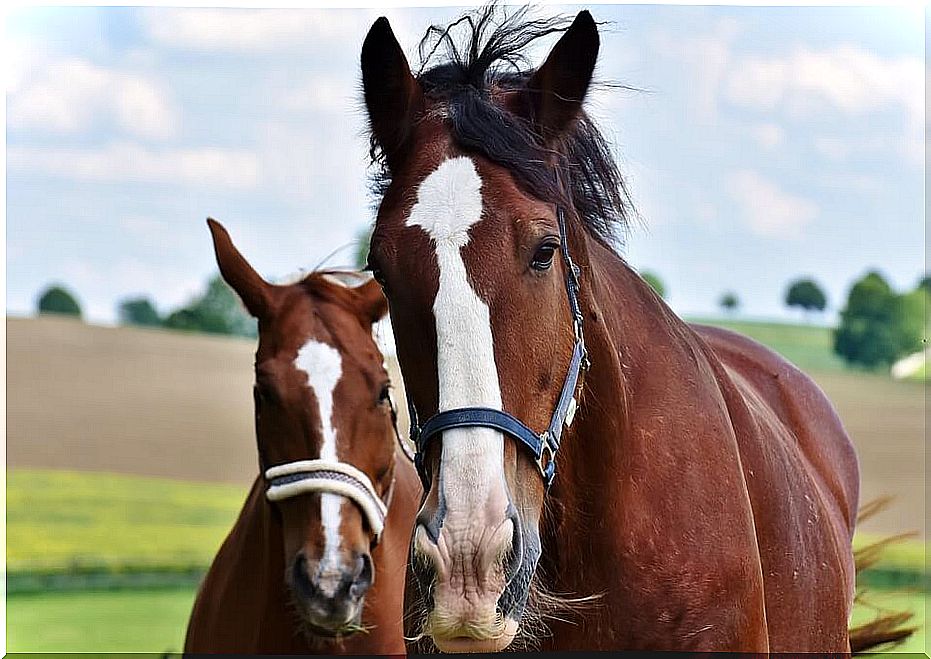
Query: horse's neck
587, 459
628, 330
258, 553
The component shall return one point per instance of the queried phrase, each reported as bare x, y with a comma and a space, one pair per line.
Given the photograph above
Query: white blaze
449, 202
324, 367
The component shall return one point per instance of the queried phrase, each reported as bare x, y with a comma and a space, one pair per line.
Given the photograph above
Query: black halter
542, 446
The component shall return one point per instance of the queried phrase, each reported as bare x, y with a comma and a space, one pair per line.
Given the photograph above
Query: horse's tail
889, 628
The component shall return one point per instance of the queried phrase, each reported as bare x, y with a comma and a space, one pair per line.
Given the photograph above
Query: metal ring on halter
325, 476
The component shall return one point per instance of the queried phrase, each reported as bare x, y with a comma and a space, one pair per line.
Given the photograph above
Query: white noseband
304, 476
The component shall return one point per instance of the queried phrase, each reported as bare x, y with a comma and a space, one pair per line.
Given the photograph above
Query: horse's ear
372, 303
390, 89
236, 271
555, 92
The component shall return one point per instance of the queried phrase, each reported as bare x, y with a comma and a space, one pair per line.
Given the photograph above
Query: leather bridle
542, 446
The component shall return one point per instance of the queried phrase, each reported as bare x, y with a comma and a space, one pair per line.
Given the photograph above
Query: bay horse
315, 562
692, 489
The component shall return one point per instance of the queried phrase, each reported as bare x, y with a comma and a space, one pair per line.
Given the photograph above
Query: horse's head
323, 423
467, 247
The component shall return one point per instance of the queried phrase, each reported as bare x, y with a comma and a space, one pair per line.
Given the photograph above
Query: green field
61, 520
94, 621
66, 519
154, 621
807, 346
879, 602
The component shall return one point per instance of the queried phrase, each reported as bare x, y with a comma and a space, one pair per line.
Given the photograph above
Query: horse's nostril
363, 576
515, 556
301, 580
430, 522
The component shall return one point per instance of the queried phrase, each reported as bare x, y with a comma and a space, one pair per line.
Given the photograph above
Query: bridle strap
542, 446
328, 476
405, 448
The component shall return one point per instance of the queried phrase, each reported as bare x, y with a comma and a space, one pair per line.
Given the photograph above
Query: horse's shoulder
791, 414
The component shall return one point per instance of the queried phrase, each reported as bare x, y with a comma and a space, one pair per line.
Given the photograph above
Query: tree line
217, 310
877, 326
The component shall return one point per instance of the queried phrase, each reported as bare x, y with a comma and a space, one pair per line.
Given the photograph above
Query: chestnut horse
319, 549
705, 492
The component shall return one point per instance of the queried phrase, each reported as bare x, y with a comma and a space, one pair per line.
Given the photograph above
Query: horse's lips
463, 644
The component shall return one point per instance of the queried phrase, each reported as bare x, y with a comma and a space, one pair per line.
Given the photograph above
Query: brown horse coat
706, 493
301, 574
243, 606
725, 472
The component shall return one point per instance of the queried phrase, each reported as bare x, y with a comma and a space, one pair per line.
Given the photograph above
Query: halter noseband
542, 446
305, 476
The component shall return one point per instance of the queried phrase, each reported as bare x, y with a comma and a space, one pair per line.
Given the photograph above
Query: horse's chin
463, 644
329, 630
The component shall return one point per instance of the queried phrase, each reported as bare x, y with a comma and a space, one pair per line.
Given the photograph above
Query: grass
89, 621
810, 347
155, 621
906, 554
62, 519
920, 375
876, 603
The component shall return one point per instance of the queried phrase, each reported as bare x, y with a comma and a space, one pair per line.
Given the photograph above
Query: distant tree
364, 237
878, 326
188, 319
57, 299
138, 311
729, 302
925, 284
217, 311
911, 314
655, 282
807, 295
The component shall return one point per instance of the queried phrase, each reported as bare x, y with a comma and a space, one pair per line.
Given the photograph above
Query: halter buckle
545, 460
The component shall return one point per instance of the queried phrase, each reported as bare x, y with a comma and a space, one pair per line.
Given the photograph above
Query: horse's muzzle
330, 597
461, 579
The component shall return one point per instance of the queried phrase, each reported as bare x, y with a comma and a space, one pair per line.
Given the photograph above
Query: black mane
490, 56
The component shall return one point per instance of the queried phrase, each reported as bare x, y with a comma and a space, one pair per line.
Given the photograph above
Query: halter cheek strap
305, 476
542, 446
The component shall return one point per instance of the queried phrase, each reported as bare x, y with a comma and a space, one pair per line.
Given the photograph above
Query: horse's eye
543, 258
384, 396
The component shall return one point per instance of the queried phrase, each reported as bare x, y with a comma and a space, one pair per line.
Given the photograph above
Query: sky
760, 144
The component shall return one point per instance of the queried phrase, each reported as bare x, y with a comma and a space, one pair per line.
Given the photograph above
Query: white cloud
151, 231
68, 95
769, 135
851, 79
908, 143
328, 94
708, 56
251, 30
804, 83
125, 162
833, 148
769, 210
